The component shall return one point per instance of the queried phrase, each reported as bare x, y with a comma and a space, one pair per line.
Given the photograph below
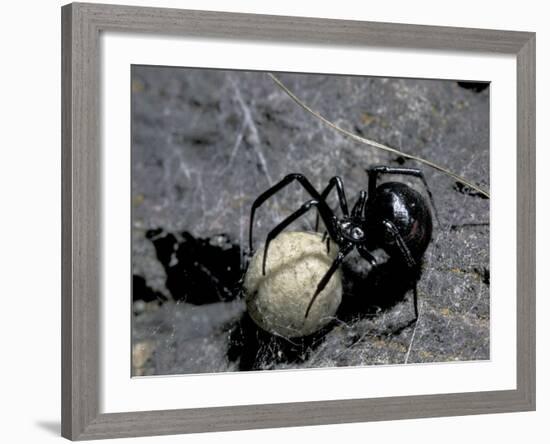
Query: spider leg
400, 242
365, 254
326, 278
374, 172
326, 238
411, 263
359, 207
335, 182
285, 223
415, 298
324, 209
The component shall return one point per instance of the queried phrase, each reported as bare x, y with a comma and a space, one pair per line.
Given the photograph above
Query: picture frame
81, 234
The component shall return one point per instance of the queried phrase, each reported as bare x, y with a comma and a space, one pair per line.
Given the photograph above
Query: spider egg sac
296, 263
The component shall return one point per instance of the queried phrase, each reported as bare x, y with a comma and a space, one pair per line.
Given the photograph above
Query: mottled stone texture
205, 143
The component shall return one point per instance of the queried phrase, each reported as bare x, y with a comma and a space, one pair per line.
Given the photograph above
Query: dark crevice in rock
484, 275
474, 86
400, 160
198, 270
142, 292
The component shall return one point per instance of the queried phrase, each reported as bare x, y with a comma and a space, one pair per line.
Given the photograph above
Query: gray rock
187, 338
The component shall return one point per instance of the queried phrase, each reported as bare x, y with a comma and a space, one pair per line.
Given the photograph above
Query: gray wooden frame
81, 26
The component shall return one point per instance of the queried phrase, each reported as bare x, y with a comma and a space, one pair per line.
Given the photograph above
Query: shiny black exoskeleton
392, 216
399, 213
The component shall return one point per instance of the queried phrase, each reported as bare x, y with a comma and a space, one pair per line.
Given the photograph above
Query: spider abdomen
397, 204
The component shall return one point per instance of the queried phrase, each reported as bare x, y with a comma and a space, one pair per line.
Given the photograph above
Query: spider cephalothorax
391, 216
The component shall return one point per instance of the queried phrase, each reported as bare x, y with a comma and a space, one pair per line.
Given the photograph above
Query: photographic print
298, 221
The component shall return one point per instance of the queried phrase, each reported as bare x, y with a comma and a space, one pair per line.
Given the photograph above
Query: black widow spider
392, 216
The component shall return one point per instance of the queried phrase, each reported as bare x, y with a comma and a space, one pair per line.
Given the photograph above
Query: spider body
391, 216
352, 231
408, 211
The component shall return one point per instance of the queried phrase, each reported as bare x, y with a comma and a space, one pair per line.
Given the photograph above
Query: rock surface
206, 143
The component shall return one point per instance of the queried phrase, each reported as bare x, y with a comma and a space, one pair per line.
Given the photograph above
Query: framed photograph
277, 221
